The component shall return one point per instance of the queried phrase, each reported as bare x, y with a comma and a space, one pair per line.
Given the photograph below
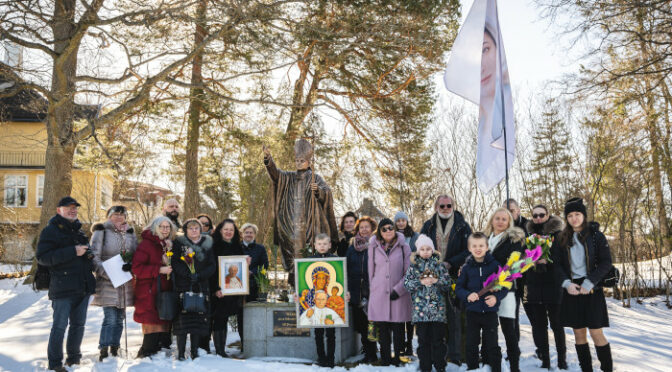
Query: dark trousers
182, 343
409, 336
331, 343
509, 330
431, 345
389, 332
541, 315
222, 323
361, 322
455, 331
487, 323
69, 313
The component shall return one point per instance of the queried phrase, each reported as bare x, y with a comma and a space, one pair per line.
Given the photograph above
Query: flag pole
501, 94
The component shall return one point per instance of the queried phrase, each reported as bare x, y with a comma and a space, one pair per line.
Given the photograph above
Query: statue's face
301, 163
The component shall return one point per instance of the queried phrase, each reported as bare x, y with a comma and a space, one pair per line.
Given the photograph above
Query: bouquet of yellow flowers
514, 269
188, 258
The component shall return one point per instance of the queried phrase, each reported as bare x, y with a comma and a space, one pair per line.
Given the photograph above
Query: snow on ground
641, 339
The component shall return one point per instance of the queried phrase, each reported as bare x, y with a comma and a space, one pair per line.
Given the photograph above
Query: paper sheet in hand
115, 273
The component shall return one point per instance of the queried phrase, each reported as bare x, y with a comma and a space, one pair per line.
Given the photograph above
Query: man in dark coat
449, 233
518, 220
64, 250
258, 257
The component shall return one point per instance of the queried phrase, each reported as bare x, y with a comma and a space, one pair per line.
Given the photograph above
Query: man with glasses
63, 248
518, 219
449, 233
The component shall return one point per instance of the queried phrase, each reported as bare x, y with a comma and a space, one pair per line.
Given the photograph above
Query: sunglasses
540, 215
206, 224
386, 229
445, 206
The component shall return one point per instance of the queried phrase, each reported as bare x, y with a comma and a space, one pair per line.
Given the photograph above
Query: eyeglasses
206, 224
386, 229
540, 215
445, 206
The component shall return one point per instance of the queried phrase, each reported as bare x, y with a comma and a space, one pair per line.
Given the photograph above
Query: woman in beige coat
109, 239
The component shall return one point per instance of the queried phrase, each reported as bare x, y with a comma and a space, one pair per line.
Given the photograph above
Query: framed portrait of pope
234, 276
321, 286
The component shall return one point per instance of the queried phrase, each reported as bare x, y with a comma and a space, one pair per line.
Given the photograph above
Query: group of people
172, 255
401, 283
399, 280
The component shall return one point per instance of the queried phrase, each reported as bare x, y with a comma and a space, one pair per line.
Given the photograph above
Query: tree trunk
191, 184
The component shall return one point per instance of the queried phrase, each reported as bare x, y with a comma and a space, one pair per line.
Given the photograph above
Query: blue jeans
72, 309
113, 324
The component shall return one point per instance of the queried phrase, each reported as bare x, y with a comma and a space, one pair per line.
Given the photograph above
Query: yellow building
23, 138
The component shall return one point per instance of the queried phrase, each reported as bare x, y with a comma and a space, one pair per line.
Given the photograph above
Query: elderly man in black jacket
63, 248
449, 233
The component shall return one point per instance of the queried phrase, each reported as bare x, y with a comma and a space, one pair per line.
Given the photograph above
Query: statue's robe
300, 214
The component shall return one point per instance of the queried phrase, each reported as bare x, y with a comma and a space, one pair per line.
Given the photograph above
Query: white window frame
37, 190
25, 176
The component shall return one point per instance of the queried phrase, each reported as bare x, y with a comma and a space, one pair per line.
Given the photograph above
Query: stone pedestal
270, 331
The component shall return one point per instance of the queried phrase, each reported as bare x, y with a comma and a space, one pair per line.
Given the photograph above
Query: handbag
166, 301
610, 279
42, 278
194, 302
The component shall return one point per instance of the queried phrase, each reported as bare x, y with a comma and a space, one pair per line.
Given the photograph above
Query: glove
126, 267
394, 295
194, 278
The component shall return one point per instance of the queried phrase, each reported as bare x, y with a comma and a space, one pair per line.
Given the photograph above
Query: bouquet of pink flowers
514, 269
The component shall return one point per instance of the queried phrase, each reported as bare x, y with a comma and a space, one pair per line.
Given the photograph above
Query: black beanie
575, 205
385, 221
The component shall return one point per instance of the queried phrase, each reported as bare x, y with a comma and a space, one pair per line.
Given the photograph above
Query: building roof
27, 105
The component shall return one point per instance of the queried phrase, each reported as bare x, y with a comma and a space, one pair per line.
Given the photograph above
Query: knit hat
575, 205
423, 240
400, 216
385, 221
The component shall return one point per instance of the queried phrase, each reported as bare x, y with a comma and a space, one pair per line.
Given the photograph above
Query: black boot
181, 345
204, 343
513, 363
604, 355
219, 338
114, 350
165, 339
150, 345
585, 360
103, 353
370, 352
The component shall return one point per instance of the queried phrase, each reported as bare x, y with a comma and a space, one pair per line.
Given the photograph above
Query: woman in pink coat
389, 302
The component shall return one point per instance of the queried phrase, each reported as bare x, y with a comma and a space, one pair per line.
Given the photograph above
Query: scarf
361, 243
493, 240
443, 236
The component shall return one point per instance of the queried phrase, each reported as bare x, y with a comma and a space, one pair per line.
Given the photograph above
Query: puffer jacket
428, 302
107, 242
472, 276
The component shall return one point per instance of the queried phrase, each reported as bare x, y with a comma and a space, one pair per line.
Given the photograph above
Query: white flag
477, 71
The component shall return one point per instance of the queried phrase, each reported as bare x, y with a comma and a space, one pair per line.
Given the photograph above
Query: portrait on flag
477, 71
321, 286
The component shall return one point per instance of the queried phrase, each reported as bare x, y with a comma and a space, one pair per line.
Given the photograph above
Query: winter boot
219, 337
604, 355
513, 363
103, 353
181, 345
165, 339
204, 343
370, 352
114, 351
585, 360
150, 345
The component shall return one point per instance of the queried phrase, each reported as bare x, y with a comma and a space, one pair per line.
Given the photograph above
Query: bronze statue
303, 205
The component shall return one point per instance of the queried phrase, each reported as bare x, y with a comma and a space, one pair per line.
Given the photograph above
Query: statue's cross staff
313, 209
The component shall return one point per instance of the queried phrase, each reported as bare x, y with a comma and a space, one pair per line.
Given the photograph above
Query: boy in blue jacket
481, 311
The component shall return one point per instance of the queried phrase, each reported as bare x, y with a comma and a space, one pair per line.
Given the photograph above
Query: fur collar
436, 256
100, 226
515, 234
205, 242
552, 226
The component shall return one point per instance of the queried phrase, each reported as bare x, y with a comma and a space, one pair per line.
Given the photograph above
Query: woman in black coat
226, 239
347, 231
583, 261
503, 239
193, 264
542, 291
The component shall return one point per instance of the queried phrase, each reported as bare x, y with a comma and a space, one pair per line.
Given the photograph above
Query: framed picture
321, 285
234, 278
